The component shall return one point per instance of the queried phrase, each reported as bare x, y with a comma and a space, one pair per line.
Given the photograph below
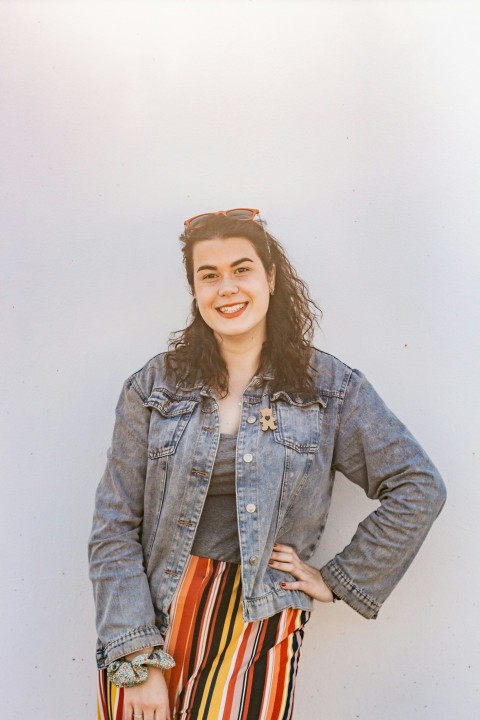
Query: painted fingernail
270, 562
283, 585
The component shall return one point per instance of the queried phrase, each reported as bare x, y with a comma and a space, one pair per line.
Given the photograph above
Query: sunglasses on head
235, 214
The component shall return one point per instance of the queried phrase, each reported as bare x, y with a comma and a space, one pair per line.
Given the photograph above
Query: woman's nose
227, 287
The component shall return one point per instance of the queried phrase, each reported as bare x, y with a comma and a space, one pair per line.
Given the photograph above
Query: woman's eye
209, 276
242, 270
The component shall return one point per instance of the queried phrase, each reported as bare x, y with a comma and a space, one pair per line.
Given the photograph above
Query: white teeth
232, 308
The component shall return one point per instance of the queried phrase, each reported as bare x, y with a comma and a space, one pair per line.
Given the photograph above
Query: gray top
217, 531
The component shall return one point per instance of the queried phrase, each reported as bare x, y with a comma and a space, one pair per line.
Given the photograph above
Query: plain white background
354, 127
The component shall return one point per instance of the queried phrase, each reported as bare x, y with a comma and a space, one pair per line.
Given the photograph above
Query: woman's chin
240, 332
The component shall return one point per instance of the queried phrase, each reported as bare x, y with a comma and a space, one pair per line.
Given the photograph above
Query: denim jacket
150, 499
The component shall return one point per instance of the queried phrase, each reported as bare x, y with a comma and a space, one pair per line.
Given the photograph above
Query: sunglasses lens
198, 221
235, 214
240, 214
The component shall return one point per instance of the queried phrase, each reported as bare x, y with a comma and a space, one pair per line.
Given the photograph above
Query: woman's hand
308, 579
149, 700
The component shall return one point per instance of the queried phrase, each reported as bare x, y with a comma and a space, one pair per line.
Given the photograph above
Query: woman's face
231, 287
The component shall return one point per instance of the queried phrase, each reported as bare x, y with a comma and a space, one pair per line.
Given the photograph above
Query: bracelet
125, 673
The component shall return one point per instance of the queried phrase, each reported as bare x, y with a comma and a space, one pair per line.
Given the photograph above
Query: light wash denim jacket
150, 498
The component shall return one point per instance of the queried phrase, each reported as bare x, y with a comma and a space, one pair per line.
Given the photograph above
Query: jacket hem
260, 608
137, 639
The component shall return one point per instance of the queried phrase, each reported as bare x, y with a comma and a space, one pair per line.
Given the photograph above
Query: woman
217, 489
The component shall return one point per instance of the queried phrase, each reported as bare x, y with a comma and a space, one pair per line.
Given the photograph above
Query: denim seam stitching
336, 570
345, 382
142, 631
135, 386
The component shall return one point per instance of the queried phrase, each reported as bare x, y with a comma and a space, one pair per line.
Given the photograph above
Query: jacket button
248, 457
251, 508
251, 419
253, 560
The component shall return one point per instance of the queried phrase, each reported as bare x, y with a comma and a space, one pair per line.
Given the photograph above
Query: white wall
354, 127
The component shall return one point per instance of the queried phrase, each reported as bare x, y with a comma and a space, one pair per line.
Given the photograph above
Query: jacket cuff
341, 585
137, 639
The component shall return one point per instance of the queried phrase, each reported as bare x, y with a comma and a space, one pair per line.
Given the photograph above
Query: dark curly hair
291, 317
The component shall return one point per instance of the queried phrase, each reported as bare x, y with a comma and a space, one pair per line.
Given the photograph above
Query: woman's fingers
284, 553
298, 585
139, 714
282, 557
146, 714
149, 700
285, 558
307, 578
278, 547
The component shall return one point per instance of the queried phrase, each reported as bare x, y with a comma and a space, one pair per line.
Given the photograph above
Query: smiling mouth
232, 310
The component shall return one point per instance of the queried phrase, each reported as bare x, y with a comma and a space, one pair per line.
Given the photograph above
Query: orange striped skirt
226, 669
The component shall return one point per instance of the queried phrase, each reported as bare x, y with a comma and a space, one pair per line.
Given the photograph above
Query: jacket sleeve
124, 610
376, 451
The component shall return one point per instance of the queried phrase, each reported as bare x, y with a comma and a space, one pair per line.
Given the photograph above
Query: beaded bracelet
125, 673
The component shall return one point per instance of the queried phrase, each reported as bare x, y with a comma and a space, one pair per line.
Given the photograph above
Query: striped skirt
226, 669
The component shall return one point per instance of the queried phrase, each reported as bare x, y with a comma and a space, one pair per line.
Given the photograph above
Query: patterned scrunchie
124, 673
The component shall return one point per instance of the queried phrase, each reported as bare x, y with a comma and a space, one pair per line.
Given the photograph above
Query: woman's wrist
334, 595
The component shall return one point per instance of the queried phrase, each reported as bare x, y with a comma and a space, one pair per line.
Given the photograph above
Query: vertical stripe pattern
109, 699
226, 669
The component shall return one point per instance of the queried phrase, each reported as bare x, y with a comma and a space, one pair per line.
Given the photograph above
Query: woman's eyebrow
233, 264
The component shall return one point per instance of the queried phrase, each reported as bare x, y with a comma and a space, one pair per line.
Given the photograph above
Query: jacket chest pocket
170, 417
299, 426
299, 423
